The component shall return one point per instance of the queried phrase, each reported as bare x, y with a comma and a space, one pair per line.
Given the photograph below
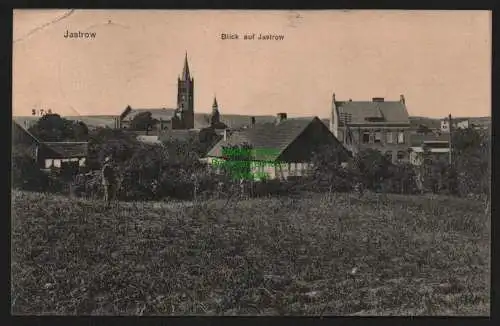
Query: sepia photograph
251, 162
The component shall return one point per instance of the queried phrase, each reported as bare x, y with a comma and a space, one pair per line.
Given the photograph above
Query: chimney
350, 100
402, 98
334, 116
280, 117
252, 121
378, 99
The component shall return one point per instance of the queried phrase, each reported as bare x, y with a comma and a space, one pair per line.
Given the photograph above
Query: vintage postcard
238, 162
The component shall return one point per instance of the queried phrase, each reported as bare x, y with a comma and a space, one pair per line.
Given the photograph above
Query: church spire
215, 106
185, 70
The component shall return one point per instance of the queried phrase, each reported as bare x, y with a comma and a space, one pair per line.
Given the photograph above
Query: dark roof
67, 149
386, 112
418, 140
156, 113
237, 121
268, 140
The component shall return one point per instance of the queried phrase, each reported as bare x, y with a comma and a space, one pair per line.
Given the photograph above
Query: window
378, 136
389, 137
388, 155
366, 137
401, 156
401, 137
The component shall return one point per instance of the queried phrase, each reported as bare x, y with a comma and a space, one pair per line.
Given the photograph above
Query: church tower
215, 116
185, 97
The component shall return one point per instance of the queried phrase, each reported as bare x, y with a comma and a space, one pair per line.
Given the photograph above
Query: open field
412, 255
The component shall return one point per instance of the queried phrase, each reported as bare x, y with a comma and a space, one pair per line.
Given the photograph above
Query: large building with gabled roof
377, 124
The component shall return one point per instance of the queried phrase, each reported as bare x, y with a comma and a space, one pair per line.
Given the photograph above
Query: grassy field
330, 255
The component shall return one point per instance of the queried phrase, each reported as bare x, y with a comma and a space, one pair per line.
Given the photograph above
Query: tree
402, 179
53, 128
373, 168
115, 142
143, 121
472, 161
327, 171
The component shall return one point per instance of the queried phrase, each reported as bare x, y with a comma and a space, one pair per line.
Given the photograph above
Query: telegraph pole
451, 136
450, 157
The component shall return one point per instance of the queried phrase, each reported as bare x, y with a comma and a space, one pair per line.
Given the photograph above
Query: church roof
156, 113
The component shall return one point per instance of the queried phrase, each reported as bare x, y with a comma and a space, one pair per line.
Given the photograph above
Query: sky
439, 60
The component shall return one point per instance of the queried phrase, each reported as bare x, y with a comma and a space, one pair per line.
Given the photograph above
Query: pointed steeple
215, 106
185, 71
215, 116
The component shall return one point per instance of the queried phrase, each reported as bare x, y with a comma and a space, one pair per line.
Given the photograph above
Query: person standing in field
108, 180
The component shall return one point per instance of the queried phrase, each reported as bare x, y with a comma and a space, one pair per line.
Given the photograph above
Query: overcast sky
440, 60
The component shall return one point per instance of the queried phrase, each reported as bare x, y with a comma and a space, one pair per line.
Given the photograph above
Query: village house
51, 154
378, 124
280, 150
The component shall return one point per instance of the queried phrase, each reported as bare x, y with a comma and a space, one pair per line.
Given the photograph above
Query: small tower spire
185, 71
215, 117
215, 106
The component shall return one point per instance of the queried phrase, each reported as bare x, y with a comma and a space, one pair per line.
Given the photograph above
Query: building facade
378, 124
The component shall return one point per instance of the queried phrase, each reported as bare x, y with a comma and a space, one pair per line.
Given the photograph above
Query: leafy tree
52, 127
402, 179
115, 142
143, 121
373, 168
328, 172
472, 161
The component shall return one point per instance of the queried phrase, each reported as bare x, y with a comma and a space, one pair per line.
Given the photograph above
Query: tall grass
322, 254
